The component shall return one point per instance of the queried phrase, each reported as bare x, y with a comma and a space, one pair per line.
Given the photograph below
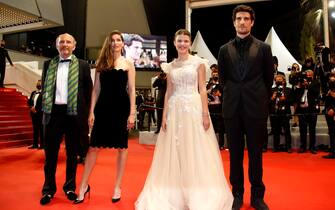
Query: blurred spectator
3, 56
160, 84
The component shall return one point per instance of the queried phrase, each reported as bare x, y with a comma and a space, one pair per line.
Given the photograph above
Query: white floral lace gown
186, 171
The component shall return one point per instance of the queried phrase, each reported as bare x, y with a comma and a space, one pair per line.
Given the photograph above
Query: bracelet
205, 114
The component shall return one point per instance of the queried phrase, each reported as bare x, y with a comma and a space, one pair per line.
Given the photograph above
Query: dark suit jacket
248, 93
84, 92
38, 106
3, 56
312, 97
161, 85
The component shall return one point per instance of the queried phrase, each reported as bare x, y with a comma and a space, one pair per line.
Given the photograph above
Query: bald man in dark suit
246, 72
66, 95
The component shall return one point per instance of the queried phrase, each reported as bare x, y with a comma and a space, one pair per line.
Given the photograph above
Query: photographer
307, 108
322, 66
214, 94
308, 64
294, 81
215, 111
330, 115
279, 113
214, 80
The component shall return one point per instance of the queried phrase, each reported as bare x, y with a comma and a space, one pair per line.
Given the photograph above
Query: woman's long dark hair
106, 58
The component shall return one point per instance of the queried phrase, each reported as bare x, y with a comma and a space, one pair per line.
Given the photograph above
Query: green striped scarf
72, 86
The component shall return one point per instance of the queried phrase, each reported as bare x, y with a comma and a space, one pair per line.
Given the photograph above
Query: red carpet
15, 122
293, 181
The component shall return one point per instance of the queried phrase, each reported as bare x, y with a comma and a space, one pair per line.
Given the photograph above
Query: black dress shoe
81, 160
33, 147
259, 204
46, 198
301, 150
275, 150
237, 204
264, 149
289, 150
329, 156
71, 195
313, 151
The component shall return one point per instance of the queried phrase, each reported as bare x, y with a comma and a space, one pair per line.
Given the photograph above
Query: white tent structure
196, 4
199, 46
285, 59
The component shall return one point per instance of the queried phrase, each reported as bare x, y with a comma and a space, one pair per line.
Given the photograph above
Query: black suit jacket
250, 92
3, 56
84, 92
38, 106
161, 85
312, 97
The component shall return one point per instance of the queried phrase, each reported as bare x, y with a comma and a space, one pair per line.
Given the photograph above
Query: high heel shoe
88, 189
117, 195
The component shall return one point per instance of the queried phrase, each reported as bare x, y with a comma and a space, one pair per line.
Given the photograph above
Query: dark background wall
216, 26
165, 17
42, 42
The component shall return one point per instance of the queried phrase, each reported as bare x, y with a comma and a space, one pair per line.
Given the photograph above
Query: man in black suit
160, 84
246, 72
3, 56
330, 115
67, 87
35, 104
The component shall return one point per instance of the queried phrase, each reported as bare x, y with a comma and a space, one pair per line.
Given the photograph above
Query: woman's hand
163, 123
205, 121
131, 121
91, 120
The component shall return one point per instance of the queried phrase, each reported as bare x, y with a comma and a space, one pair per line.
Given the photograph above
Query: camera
318, 48
291, 68
279, 89
162, 75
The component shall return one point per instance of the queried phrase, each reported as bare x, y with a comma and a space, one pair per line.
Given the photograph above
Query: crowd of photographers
309, 92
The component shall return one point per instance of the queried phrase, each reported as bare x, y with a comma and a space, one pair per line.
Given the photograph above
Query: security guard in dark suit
35, 104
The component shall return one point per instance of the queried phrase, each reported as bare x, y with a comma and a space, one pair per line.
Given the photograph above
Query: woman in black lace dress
112, 111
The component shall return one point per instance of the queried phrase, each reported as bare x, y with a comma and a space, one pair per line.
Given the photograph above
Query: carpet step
15, 143
14, 123
14, 117
15, 112
13, 129
16, 136
14, 107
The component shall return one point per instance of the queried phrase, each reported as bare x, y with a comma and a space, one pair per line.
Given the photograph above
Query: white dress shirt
61, 82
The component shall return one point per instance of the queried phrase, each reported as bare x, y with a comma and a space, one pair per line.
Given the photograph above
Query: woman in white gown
186, 171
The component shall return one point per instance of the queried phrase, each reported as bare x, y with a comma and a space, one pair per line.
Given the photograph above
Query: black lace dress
111, 111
